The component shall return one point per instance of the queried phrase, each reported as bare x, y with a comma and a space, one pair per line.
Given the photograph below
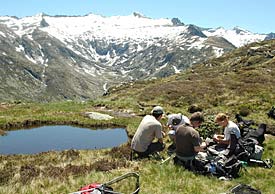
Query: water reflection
30, 141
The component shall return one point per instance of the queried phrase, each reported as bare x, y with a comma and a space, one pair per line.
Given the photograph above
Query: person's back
174, 121
148, 129
186, 139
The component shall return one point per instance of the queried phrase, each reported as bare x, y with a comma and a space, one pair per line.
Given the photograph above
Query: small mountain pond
60, 137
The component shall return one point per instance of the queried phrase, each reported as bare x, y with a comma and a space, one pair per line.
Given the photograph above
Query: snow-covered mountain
78, 57
237, 36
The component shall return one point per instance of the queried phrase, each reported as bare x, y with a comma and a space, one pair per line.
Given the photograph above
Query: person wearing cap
188, 141
149, 129
174, 121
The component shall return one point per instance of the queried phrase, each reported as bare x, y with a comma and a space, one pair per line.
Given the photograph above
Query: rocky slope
47, 58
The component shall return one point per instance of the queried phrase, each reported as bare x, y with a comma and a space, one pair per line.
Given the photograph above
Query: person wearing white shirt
174, 121
230, 128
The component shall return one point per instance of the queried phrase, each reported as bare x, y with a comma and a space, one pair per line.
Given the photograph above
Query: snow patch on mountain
2, 34
176, 69
79, 33
197, 43
218, 51
75, 56
20, 48
237, 36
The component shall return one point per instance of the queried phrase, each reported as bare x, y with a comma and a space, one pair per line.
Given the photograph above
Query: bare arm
220, 139
200, 148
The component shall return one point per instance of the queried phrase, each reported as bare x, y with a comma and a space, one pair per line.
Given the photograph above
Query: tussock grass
239, 82
67, 171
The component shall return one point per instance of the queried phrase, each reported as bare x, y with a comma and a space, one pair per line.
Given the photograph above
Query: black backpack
247, 131
244, 125
217, 166
258, 134
271, 113
244, 189
229, 167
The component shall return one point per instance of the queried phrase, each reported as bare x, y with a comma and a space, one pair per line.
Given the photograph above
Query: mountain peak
139, 15
195, 31
42, 14
91, 49
270, 36
177, 22
43, 23
239, 30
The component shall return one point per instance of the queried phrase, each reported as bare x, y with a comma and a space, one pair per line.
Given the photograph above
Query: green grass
238, 82
67, 171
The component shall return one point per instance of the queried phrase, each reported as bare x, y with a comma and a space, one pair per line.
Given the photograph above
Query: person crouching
149, 129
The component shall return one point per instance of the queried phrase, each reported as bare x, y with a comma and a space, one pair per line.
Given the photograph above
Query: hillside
239, 81
44, 58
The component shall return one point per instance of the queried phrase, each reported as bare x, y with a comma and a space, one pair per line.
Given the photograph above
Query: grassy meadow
240, 82
66, 171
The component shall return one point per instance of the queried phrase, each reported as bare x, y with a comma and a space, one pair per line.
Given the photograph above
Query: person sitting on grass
150, 128
174, 121
230, 128
188, 140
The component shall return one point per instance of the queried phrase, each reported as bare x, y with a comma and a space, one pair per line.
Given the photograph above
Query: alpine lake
58, 138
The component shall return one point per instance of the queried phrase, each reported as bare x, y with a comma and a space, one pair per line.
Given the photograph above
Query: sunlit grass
38, 174
234, 83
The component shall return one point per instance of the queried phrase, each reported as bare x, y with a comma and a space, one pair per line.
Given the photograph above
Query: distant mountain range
46, 58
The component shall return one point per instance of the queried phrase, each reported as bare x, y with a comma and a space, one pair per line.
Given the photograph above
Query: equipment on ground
105, 188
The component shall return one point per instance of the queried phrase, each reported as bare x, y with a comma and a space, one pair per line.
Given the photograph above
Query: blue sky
253, 15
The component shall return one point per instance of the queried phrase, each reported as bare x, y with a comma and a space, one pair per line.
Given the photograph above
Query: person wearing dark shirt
188, 141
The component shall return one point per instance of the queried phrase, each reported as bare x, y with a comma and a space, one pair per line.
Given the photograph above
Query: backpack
229, 167
257, 134
244, 189
249, 132
271, 113
258, 152
95, 188
217, 166
244, 125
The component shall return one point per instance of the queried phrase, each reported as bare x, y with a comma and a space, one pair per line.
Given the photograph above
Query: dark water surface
41, 139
